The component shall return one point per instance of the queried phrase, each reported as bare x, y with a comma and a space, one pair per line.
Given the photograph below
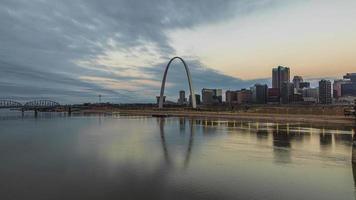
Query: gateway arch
191, 88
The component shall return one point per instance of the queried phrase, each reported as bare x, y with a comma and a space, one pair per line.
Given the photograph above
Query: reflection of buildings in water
209, 127
262, 134
182, 125
343, 138
281, 135
281, 144
326, 140
166, 154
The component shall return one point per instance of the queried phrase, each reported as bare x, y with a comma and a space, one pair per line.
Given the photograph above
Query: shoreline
243, 116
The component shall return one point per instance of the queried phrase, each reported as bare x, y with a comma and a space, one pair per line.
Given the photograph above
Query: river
131, 157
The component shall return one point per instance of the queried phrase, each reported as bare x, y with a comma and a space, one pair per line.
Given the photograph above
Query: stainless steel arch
191, 88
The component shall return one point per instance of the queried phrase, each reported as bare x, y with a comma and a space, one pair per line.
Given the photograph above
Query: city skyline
75, 52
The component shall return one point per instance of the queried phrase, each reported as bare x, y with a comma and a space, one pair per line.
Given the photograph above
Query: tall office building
279, 76
287, 92
296, 81
325, 92
182, 100
259, 93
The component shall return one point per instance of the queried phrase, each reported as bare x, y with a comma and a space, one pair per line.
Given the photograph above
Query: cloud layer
72, 51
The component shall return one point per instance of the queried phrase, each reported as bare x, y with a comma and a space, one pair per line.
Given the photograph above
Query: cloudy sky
73, 50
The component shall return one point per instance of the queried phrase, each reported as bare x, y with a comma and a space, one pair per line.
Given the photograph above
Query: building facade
197, 99
310, 95
325, 92
211, 96
273, 95
244, 96
287, 92
296, 81
337, 87
182, 100
231, 97
259, 93
218, 94
303, 85
279, 76
349, 89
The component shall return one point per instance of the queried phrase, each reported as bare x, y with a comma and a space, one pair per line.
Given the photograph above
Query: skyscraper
279, 76
287, 92
325, 92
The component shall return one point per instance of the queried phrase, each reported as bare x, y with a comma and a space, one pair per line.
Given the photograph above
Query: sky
71, 51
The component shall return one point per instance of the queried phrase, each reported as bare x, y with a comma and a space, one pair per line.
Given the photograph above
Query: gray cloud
40, 40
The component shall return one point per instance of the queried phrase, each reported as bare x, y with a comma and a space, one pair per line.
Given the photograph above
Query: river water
122, 157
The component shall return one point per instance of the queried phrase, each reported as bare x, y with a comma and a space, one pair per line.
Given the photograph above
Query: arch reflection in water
167, 157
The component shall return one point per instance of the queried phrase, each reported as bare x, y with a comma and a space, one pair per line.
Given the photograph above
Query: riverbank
242, 116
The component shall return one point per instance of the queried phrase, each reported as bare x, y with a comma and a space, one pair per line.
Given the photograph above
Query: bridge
31, 105
40, 105
10, 104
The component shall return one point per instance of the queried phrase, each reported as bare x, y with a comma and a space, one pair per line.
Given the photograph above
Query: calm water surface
118, 157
